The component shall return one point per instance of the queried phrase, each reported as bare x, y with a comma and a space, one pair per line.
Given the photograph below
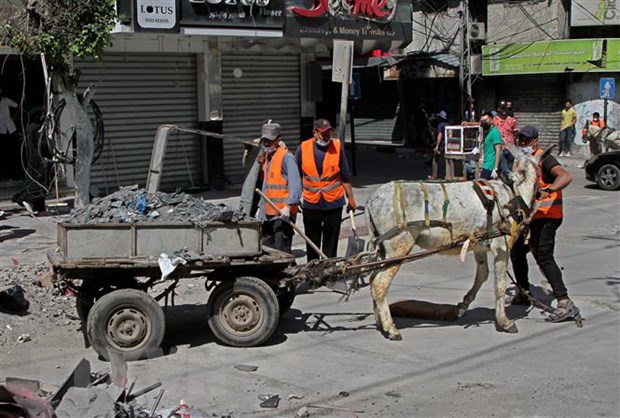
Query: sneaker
521, 298
568, 154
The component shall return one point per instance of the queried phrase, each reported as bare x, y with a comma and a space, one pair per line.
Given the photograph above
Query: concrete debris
12, 299
271, 402
245, 368
93, 401
46, 310
294, 396
302, 412
167, 265
24, 338
134, 205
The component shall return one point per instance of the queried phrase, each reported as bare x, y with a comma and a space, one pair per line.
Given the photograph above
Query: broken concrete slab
94, 401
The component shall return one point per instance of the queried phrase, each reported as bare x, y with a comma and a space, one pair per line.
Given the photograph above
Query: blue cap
529, 132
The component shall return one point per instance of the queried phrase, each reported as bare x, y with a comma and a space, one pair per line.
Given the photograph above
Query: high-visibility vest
598, 123
328, 185
550, 206
275, 185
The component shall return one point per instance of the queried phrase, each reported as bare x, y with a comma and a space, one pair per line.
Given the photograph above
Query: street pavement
329, 352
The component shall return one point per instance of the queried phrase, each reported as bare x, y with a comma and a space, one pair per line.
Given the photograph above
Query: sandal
563, 312
521, 298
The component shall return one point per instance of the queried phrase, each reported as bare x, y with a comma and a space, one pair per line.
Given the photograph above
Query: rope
427, 219
446, 201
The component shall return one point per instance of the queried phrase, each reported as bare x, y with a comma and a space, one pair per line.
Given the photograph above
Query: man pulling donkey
432, 215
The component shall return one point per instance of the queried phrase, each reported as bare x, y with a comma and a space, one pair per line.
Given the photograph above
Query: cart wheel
93, 289
285, 300
243, 312
128, 321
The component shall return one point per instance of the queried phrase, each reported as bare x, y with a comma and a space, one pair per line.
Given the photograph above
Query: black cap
528, 132
322, 125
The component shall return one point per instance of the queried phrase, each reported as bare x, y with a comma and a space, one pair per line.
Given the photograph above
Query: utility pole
465, 59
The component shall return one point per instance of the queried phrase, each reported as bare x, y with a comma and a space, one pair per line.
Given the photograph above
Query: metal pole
605, 111
353, 156
344, 96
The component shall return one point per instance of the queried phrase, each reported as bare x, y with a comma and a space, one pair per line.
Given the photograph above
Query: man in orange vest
326, 185
595, 148
552, 179
282, 184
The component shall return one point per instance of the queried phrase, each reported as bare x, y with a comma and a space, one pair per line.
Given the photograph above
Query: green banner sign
579, 55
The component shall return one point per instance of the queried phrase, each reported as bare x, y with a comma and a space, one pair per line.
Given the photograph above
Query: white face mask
322, 143
527, 150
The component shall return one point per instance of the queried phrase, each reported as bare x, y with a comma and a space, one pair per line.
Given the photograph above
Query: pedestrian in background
509, 110
595, 147
492, 147
11, 149
567, 128
552, 179
326, 181
439, 148
281, 183
507, 126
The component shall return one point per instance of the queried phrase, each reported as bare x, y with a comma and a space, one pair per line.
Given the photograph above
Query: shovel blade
355, 246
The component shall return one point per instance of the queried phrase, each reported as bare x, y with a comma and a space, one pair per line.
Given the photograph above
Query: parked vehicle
604, 169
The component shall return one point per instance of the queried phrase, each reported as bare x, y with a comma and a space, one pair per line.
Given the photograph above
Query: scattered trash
302, 412
23, 338
183, 411
271, 402
12, 299
245, 367
294, 396
392, 394
167, 265
335, 408
343, 394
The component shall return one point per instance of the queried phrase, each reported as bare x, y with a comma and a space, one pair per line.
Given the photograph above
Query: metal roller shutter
538, 101
268, 86
136, 93
376, 111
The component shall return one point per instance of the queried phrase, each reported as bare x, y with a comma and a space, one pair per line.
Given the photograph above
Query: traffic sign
607, 88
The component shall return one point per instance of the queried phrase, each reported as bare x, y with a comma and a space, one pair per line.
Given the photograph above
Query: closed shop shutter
377, 110
255, 88
137, 93
538, 101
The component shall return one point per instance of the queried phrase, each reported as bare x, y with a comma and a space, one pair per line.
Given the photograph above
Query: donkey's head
525, 172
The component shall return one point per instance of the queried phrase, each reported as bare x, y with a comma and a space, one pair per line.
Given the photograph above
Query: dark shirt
547, 164
440, 130
345, 176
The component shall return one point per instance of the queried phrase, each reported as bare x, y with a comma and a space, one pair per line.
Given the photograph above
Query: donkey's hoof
395, 337
512, 329
461, 309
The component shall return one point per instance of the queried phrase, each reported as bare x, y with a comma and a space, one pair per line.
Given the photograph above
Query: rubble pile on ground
45, 309
134, 205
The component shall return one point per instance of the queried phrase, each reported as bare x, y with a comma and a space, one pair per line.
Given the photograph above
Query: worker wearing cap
281, 183
552, 179
326, 188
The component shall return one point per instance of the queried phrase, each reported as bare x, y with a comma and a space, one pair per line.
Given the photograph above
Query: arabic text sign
595, 12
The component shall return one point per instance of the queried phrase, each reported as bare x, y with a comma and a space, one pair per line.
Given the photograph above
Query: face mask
485, 125
527, 150
322, 143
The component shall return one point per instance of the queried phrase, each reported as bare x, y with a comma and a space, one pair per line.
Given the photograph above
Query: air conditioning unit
477, 31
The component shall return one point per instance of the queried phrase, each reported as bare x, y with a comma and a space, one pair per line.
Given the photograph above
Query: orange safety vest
598, 123
328, 185
550, 206
275, 185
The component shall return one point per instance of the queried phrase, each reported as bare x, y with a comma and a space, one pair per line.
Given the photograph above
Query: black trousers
542, 245
323, 229
278, 234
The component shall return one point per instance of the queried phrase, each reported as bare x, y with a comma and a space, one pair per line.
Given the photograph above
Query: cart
111, 267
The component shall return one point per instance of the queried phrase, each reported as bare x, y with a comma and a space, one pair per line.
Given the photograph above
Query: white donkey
454, 211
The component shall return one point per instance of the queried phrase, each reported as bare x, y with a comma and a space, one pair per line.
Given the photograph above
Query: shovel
355, 244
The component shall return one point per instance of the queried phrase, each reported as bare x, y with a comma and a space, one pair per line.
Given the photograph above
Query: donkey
404, 214
602, 139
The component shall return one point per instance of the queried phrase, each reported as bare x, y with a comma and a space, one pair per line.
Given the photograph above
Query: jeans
322, 225
506, 161
542, 245
486, 174
278, 234
566, 139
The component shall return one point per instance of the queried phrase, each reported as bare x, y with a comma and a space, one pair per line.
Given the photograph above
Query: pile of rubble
134, 205
28, 304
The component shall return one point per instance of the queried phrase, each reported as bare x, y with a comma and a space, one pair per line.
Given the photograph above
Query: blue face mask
527, 150
322, 143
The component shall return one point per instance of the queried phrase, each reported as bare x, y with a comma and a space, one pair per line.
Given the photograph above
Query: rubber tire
94, 289
285, 300
261, 294
107, 305
612, 170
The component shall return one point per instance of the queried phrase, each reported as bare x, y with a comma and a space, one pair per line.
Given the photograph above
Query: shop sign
156, 14
595, 12
583, 55
263, 14
349, 19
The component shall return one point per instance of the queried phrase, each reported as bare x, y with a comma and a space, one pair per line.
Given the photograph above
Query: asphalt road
330, 353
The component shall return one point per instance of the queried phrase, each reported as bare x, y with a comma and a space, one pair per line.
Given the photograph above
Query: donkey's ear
515, 151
